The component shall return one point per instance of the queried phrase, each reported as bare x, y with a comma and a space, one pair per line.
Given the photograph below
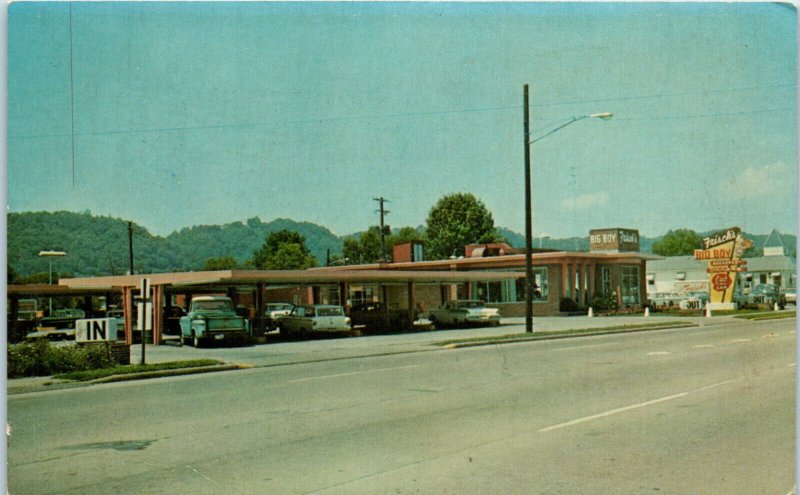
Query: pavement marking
659, 353
640, 405
791, 365
734, 341
380, 370
703, 346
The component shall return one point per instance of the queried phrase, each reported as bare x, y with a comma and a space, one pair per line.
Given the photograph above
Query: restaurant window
361, 294
629, 278
507, 291
329, 294
605, 280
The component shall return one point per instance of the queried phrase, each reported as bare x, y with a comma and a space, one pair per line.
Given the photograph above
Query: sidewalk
326, 349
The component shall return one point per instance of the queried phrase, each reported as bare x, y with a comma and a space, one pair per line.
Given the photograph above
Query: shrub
568, 305
604, 303
39, 358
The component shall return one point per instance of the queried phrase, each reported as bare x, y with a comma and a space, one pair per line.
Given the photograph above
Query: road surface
700, 410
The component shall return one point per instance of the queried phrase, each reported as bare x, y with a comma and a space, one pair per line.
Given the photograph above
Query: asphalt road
691, 411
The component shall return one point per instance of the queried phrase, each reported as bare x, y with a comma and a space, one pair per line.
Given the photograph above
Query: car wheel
182, 340
196, 341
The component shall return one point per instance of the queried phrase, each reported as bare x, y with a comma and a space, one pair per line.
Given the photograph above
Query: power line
421, 114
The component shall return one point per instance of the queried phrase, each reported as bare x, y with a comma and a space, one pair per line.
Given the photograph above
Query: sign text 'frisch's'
720, 238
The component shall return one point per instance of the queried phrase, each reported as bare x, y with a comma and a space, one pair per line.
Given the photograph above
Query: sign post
144, 311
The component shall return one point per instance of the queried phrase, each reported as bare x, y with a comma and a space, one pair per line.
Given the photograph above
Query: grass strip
522, 337
766, 316
126, 369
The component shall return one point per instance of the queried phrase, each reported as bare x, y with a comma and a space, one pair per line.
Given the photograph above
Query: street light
50, 255
528, 222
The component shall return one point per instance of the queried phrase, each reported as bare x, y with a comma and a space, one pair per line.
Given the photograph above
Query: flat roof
509, 260
287, 278
40, 290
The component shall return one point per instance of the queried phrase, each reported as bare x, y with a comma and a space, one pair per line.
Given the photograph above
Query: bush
41, 359
604, 303
568, 305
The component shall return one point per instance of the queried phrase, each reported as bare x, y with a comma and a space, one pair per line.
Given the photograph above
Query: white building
682, 274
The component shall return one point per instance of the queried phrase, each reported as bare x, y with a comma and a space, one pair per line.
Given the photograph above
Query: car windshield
211, 306
330, 311
279, 307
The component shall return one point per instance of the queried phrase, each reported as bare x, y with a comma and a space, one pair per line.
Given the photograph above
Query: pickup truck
377, 317
466, 311
212, 318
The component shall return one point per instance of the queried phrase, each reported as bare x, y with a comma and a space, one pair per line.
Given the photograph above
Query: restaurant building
612, 269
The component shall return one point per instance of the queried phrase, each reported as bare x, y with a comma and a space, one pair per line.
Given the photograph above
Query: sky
182, 114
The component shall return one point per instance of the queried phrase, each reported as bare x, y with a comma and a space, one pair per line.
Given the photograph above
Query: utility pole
528, 223
383, 212
130, 245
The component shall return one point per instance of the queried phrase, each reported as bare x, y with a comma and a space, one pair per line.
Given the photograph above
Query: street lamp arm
602, 116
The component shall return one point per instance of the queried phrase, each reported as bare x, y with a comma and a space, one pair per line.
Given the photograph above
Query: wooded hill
98, 245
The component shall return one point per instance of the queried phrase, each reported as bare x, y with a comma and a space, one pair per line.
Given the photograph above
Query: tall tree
679, 242
221, 263
457, 220
283, 250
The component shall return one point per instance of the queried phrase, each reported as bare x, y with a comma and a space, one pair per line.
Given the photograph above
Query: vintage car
314, 318
465, 311
790, 296
767, 294
213, 319
118, 316
378, 317
275, 311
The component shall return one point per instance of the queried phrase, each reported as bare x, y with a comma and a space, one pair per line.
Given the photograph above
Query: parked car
119, 317
172, 320
314, 318
377, 317
790, 296
464, 311
212, 318
767, 294
62, 319
275, 311
663, 299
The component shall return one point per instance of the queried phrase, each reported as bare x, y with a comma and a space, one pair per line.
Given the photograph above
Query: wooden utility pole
130, 246
383, 212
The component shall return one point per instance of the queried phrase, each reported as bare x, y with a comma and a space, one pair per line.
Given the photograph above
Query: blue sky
180, 114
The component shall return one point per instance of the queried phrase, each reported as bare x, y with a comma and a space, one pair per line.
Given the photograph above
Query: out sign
96, 330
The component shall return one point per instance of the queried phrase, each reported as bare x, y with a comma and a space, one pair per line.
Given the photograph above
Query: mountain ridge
98, 245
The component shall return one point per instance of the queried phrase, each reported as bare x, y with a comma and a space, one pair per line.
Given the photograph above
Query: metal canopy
229, 278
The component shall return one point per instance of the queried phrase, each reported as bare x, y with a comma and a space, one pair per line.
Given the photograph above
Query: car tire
196, 342
182, 340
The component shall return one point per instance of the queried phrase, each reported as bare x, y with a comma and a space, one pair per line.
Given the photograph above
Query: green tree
283, 250
457, 220
221, 263
291, 256
679, 242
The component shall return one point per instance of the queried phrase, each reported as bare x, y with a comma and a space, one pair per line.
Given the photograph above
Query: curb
430, 347
587, 333
163, 373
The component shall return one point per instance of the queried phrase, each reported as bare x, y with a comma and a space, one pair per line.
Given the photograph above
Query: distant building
682, 274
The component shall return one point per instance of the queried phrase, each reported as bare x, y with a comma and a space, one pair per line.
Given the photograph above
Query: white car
275, 311
314, 318
466, 311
